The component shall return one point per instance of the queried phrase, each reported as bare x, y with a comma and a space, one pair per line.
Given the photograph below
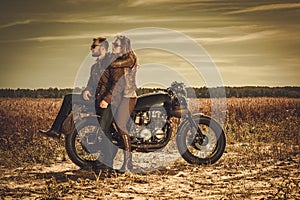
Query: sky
250, 43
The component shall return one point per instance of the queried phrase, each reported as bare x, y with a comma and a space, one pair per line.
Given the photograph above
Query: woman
116, 90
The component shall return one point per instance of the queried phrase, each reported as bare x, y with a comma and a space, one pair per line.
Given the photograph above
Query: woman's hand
103, 104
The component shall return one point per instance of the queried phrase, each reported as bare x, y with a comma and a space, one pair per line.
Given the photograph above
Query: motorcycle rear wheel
208, 151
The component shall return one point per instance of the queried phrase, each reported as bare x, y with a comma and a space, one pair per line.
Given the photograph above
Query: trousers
66, 108
121, 115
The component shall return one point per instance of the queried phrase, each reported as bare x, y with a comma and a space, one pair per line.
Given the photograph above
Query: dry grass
261, 160
20, 121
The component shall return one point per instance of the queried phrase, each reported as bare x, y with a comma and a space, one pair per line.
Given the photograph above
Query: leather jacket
96, 71
118, 79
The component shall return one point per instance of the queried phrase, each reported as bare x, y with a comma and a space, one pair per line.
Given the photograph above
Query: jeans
121, 114
109, 150
66, 108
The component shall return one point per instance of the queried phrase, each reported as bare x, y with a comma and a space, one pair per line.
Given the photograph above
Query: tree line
192, 92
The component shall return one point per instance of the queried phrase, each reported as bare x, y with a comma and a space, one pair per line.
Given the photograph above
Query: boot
51, 133
127, 165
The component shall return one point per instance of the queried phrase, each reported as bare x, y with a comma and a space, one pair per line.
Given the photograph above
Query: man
99, 49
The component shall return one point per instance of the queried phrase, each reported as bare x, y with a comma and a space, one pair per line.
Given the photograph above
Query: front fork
199, 138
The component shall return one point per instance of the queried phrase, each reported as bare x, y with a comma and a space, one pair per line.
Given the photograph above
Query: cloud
146, 2
82, 1
137, 3
63, 19
237, 38
146, 19
132, 19
53, 20
27, 21
223, 30
62, 37
267, 8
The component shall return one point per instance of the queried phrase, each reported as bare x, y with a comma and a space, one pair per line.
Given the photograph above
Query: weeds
262, 154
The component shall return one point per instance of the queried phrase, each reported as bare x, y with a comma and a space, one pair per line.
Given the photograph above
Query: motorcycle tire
76, 151
204, 152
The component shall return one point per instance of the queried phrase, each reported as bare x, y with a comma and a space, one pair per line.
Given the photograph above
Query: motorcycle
200, 139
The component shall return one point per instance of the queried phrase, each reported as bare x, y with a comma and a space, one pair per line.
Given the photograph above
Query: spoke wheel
207, 150
83, 145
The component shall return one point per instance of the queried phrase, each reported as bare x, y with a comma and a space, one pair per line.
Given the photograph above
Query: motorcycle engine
149, 126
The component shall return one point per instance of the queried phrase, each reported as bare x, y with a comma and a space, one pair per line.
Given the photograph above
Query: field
261, 160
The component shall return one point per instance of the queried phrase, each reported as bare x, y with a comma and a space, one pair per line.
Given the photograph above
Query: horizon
157, 87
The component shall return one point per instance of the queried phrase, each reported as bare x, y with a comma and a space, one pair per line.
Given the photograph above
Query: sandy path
227, 179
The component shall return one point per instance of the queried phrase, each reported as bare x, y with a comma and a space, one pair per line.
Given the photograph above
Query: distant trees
36, 93
238, 92
203, 92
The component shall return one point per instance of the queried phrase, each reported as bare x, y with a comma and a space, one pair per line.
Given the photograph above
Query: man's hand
103, 104
86, 95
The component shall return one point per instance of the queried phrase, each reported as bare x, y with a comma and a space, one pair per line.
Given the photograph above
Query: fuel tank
146, 101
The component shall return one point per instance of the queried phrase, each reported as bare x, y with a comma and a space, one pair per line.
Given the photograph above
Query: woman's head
121, 45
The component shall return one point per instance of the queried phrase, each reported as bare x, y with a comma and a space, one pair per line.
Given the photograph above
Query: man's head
99, 46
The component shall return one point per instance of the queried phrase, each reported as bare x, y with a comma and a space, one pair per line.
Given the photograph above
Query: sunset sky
44, 43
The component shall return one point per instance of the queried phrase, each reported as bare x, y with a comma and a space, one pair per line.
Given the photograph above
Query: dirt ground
235, 176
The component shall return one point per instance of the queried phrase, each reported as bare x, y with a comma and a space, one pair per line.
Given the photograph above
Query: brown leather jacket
118, 79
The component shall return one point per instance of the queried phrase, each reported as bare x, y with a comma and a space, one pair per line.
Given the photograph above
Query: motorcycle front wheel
201, 151
82, 144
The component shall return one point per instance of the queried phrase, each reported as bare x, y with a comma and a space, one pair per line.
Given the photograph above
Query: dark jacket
96, 71
118, 79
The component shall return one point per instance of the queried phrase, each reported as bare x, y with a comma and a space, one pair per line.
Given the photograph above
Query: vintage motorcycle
199, 138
